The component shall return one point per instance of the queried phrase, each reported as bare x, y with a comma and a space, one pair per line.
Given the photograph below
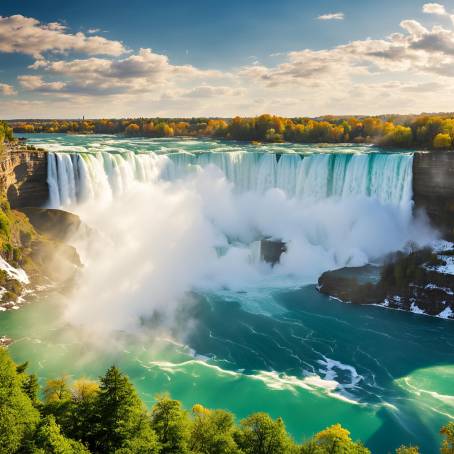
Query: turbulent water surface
180, 218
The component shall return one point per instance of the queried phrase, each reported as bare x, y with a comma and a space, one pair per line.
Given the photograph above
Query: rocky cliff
433, 188
23, 176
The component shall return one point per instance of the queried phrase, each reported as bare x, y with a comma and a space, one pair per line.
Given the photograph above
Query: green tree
48, 439
82, 412
121, 417
260, 434
18, 417
30, 386
212, 432
171, 424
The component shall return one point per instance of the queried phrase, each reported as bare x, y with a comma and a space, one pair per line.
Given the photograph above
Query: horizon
208, 117
301, 59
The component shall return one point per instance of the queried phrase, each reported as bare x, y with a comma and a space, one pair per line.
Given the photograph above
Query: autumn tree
442, 141
333, 440
447, 446
132, 130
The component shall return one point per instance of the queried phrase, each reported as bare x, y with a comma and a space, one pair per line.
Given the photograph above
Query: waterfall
76, 178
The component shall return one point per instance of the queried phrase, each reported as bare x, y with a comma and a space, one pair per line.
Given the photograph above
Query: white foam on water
446, 313
416, 310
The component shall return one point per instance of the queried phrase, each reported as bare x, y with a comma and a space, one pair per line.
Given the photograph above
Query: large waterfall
387, 177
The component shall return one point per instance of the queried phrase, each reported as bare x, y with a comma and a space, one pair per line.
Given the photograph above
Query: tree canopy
107, 416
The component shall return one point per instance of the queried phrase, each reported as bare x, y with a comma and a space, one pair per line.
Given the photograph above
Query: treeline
425, 131
107, 416
6, 132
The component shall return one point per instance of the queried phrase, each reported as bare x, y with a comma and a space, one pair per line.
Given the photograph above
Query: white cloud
27, 35
332, 16
210, 91
434, 8
143, 72
408, 71
36, 83
7, 90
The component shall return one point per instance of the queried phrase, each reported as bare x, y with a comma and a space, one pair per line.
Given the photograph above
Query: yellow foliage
442, 141
84, 389
200, 410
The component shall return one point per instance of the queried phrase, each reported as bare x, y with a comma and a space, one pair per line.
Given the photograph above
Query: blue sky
224, 58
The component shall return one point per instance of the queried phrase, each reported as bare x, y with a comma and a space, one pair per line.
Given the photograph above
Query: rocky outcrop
23, 176
433, 188
271, 251
409, 283
56, 224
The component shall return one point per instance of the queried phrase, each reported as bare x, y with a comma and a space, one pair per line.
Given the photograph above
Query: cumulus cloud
141, 72
29, 36
7, 90
361, 76
434, 8
419, 50
331, 16
36, 83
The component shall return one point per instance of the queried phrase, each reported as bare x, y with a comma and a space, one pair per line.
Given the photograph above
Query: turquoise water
385, 375
394, 370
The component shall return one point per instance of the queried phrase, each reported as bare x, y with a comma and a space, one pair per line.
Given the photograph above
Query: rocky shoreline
421, 282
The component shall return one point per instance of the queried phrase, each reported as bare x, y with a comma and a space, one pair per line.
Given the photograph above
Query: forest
422, 131
107, 416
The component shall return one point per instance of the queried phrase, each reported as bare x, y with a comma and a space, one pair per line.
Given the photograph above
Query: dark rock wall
23, 175
433, 188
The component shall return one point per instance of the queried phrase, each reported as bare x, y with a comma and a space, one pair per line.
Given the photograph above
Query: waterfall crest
76, 178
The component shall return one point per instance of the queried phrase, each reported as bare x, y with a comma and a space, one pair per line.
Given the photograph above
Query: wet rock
271, 250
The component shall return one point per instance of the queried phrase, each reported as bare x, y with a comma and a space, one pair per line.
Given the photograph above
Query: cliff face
433, 188
23, 175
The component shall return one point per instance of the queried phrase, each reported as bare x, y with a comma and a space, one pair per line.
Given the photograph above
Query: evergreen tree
30, 387
121, 418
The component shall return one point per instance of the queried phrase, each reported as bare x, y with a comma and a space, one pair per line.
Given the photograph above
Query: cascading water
75, 178
178, 247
